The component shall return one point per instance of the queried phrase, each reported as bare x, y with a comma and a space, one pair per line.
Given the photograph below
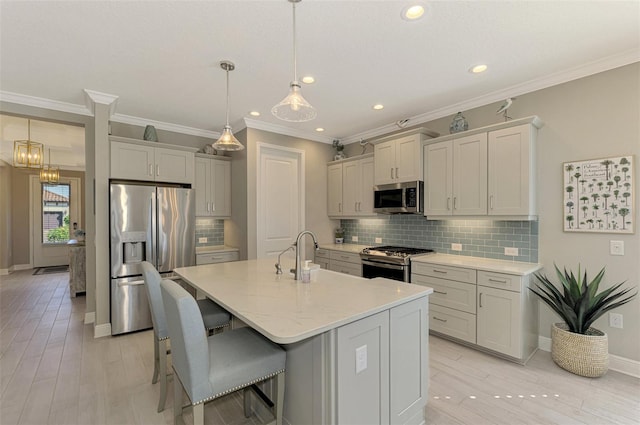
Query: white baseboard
89, 317
21, 267
102, 330
616, 363
4, 272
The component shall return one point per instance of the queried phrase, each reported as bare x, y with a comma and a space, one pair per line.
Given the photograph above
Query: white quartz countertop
287, 311
479, 263
216, 248
344, 247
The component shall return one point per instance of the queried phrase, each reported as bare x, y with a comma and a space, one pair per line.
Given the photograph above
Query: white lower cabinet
491, 310
322, 258
216, 257
383, 362
345, 262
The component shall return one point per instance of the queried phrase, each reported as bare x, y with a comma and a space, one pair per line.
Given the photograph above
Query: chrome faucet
298, 269
278, 267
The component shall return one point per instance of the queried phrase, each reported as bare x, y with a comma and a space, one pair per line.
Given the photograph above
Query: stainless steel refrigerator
151, 223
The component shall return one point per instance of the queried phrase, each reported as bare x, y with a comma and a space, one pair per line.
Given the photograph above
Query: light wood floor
53, 371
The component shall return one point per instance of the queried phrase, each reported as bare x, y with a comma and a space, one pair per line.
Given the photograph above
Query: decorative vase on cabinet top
458, 124
150, 134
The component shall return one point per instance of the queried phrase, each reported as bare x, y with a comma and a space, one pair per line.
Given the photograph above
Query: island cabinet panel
409, 361
363, 371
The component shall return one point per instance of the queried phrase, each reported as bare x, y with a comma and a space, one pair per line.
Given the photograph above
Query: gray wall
6, 255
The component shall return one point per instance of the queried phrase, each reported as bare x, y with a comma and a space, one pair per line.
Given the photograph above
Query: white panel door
279, 209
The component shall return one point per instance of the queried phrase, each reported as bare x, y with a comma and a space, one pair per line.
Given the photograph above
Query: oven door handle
382, 265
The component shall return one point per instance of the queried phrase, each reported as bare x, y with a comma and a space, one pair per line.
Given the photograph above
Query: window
55, 213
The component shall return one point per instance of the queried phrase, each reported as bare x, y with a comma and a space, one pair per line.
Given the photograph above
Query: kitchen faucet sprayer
278, 267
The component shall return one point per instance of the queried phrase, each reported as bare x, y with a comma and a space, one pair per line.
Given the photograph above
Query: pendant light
50, 174
27, 153
294, 107
227, 141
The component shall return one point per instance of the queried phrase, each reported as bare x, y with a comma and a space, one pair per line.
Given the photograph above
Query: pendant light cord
227, 95
295, 60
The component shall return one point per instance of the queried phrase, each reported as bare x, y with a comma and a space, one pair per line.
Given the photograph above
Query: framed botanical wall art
598, 195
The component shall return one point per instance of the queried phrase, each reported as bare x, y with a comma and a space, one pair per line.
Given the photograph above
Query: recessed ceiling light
308, 79
412, 12
319, 129
477, 69
378, 106
254, 113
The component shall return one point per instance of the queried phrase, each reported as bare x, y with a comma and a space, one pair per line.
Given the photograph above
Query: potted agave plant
575, 345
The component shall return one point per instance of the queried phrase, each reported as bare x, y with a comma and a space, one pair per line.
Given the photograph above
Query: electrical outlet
354, 239
456, 247
511, 251
361, 358
616, 247
378, 240
615, 320
202, 240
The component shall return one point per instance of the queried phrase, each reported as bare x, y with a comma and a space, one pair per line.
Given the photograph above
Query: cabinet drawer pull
439, 271
480, 299
455, 202
497, 280
439, 319
439, 292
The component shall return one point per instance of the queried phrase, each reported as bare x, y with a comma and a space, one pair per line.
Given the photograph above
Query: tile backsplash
210, 228
479, 238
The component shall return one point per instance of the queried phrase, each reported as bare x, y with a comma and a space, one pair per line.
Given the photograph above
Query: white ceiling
161, 57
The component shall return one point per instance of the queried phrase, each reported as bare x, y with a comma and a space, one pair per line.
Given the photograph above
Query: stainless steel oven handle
382, 265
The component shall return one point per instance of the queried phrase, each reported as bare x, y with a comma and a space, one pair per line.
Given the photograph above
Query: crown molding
39, 102
287, 131
160, 125
91, 97
585, 70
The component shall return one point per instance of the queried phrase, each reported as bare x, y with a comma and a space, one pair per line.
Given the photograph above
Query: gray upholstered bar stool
210, 367
214, 317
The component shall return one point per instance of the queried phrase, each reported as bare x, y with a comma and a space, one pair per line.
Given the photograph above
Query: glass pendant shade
227, 141
294, 107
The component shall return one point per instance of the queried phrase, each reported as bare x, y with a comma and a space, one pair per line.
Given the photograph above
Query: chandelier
50, 174
27, 153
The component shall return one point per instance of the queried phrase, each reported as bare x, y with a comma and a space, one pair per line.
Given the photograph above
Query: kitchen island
357, 349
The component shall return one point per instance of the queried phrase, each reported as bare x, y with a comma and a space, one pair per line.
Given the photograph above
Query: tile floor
52, 371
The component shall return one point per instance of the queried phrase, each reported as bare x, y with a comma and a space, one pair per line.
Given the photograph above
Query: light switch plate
615, 320
616, 247
378, 240
511, 251
456, 247
354, 239
202, 240
361, 359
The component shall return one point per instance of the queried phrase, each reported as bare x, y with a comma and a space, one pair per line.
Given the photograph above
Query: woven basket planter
584, 355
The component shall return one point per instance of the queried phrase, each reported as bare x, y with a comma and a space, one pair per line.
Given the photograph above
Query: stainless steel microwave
398, 198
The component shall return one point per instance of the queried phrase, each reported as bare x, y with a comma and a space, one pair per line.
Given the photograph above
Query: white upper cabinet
213, 187
133, 159
334, 190
511, 171
482, 172
398, 158
350, 188
456, 176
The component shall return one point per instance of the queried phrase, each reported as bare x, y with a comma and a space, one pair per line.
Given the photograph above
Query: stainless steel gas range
392, 262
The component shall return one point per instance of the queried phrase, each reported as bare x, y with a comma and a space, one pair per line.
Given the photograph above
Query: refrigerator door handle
133, 283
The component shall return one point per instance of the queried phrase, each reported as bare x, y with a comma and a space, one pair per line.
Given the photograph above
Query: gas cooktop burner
395, 251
